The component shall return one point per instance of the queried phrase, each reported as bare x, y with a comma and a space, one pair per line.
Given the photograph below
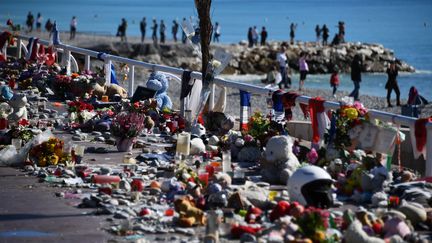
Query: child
334, 81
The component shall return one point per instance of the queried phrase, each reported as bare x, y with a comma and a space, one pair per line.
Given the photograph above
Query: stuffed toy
109, 90
356, 234
18, 104
279, 162
158, 82
189, 214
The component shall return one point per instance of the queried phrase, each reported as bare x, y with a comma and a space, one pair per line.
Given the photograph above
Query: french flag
245, 109
32, 48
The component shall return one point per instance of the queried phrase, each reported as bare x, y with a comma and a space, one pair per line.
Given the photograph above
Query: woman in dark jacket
392, 73
356, 67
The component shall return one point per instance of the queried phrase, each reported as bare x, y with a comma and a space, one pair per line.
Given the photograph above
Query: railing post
107, 71
212, 96
18, 50
66, 61
428, 169
131, 80
87, 63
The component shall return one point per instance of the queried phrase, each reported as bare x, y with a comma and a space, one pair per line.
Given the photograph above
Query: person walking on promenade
392, 84
293, 28
334, 81
325, 34
48, 26
304, 69
174, 30
250, 37
255, 36
30, 21
73, 27
184, 37
162, 31
282, 60
143, 27
217, 32
123, 29
264, 35
318, 33
39, 20
154, 29
356, 68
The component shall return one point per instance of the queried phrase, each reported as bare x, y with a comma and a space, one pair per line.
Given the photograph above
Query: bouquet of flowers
128, 124
258, 126
80, 112
313, 223
61, 85
22, 131
49, 153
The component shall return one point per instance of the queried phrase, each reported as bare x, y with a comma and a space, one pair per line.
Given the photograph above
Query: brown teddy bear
109, 90
189, 214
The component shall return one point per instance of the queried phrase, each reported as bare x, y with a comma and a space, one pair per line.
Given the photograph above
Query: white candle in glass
183, 143
17, 142
226, 161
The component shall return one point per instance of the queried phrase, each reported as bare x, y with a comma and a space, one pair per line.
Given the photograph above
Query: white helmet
311, 186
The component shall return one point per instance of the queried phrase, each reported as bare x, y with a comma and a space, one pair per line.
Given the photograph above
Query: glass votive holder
226, 161
79, 153
183, 143
105, 98
17, 142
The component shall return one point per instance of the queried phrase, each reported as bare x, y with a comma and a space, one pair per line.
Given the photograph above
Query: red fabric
238, 230
2, 58
51, 56
420, 132
334, 79
34, 50
5, 36
316, 105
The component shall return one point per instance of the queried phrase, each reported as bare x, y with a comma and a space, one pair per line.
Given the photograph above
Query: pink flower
248, 138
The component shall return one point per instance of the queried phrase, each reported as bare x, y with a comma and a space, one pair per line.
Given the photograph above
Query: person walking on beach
318, 33
217, 32
263, 36
143, 27
184, 37
49, 26
174, 30
39, 20
255, 36
334, 81
154, 29
122, 30
250, 37
282, 60
73, 26
392, 84
293, 28
162, 31
325, 34
356, 67
30, 21
304, 69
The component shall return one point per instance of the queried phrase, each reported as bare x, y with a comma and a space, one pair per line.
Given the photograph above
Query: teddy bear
189, 215
158, 82
109, 90
18, 104
279, 162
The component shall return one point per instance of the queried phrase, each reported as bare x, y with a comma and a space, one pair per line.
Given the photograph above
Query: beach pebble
121, 215
113, 202
96, 133
99, 139
105, 170
413, 212
125, 185
246, 237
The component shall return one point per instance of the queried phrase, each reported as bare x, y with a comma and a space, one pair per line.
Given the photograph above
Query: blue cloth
245, 98
6, 92
113, 75
277, 101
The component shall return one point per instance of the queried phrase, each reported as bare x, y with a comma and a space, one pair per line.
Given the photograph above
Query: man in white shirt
283, 61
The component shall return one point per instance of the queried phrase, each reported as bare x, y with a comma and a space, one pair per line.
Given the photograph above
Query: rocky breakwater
260, 60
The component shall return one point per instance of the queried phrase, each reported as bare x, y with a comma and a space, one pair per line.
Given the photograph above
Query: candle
226, 161
105, 179
17, 142
105, 98
183, 143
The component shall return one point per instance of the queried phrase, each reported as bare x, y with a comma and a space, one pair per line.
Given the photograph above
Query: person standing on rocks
73, 27
123, 28
392, 84
255, 36
217, 32
325, 34
304, 69
356, 68
162, 31
250, 37
143, 27
30, 21
154, 29
263, 36
39, 20
282, 60
174, 30
293, 28
318, 33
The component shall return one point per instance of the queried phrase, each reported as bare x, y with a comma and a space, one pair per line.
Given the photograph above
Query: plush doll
189, 214
18, 104
159, 82
109, 90
279, 162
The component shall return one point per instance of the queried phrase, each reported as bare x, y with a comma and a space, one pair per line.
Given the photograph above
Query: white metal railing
108, 59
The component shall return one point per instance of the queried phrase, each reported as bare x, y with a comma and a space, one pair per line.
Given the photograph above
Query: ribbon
288, 100
316, 106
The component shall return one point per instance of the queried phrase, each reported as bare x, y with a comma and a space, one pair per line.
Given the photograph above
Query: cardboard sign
143, 93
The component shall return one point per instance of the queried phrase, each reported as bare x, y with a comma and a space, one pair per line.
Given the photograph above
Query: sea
405, 26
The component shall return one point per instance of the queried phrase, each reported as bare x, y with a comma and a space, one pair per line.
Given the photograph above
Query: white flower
215, 64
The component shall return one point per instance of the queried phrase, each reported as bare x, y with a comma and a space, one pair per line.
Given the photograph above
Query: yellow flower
53, 159
351, 113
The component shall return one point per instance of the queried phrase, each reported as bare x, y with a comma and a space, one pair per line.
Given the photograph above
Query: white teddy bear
279, 162
19, 111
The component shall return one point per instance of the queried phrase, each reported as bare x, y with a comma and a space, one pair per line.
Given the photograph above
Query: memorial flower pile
49, 153
80, 112
127, 124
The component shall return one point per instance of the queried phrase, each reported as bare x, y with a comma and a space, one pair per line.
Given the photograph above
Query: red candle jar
204, 177
3, 123
137, 185
394, 201
105, 179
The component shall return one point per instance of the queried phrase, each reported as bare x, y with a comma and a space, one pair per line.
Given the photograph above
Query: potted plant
126, 126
